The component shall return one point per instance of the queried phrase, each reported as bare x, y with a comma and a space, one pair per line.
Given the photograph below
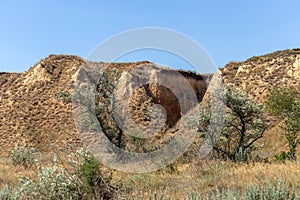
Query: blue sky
228, 30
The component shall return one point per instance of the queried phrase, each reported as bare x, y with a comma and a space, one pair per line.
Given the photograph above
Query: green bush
22, 156
63, 96
94, 184
285, 104
88, 170
56, 182
243, 125
282, 156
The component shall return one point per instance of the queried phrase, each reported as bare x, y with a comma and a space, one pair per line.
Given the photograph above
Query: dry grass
211, 175
10, 174
204, 176
197, 178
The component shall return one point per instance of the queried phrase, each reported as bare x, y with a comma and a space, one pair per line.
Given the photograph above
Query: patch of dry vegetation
205, 176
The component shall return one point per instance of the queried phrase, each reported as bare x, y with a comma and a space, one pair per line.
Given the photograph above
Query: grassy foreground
206, 179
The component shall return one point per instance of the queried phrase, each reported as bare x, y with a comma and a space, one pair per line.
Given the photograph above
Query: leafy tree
285, 103
244, 124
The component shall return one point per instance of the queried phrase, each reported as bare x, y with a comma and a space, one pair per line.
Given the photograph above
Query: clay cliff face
167, 92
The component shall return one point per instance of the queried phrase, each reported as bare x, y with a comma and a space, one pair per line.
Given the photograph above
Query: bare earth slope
259, 74
32, 113
29, 111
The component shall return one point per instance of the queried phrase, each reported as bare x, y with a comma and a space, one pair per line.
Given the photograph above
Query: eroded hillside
36, 106
259, 74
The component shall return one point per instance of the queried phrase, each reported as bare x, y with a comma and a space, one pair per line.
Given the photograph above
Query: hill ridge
31, 112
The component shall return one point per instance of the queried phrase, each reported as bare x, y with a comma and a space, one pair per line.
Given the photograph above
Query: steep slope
259, 74
6, 80
29, 111
36, 106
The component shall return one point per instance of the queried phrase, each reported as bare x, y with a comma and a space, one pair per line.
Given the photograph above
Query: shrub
93, 183
282, 156
105, 105
269, 191
63, 96
244, 124
22, 156
52, 183
285, 103
56, 182
281, 191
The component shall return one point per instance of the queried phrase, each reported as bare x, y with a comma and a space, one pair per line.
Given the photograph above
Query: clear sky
228, 30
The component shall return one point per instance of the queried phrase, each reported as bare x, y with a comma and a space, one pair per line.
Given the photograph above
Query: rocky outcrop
148, 101
175, 91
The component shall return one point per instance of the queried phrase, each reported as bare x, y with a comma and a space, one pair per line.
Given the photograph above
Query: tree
285, 104
105, 105
244, 124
